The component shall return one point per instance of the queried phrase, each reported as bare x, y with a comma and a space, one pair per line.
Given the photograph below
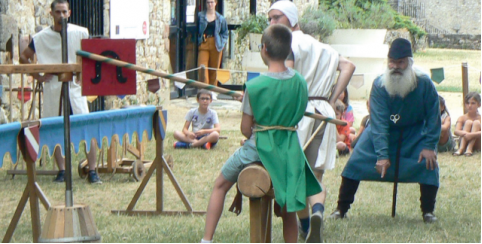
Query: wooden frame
33, 193
160, 165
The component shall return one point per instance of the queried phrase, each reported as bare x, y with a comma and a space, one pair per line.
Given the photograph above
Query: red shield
29, 143
101, 78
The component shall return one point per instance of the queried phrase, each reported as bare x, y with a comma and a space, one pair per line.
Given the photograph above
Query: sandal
468, 154
456, 154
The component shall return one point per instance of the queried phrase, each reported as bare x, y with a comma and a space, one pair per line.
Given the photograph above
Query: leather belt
318, 98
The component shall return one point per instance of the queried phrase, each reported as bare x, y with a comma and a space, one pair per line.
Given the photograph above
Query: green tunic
282, 103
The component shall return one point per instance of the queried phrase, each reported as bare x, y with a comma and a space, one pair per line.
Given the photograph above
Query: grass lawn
451, 60
458, 203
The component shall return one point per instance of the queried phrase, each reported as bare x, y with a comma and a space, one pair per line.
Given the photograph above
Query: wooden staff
395, 180
194, 83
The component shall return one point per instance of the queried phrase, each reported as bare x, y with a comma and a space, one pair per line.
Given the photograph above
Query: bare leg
212, 137
463, 141
290, 226
475, 128
91, 156
318, 198
340, 146
215, 206
178, 135
59, 159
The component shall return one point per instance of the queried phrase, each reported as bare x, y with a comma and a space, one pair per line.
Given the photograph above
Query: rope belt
275, 127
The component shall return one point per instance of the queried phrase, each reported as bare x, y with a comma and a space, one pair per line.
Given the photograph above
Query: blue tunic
419, 117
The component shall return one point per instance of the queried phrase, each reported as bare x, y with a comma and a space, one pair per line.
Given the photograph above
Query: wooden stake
465, 84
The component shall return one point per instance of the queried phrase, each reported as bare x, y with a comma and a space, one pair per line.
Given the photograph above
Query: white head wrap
288, 8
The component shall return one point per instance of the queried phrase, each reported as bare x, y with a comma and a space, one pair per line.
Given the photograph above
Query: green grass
451, 60
458, 203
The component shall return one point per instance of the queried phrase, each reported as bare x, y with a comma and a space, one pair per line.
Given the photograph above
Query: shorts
212, 143
448, 146
245, 155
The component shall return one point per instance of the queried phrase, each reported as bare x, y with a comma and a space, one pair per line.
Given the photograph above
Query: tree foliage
368, 14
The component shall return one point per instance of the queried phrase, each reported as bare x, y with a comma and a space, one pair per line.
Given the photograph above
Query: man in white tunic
318, 63
47, 45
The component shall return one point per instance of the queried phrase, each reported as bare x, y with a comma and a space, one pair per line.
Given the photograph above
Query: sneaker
207, 146
315, 234
60, 178
301, 232
429, 218
337, 215
94, 177
180, 144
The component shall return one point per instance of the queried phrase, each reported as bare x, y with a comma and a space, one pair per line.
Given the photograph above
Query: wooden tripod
159, 164
33, 193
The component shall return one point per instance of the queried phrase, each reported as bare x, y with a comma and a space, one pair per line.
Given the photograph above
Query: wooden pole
22, 98
69, 199
10, 84
465, 84
194, 83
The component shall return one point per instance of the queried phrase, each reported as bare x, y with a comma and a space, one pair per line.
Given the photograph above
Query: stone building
450, 17
26, 17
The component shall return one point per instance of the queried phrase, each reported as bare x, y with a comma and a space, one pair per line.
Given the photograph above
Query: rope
275, 127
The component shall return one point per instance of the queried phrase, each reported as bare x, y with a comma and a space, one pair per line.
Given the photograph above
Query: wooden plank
34, 203
42, 197
81, 224
47, 225
156, 213
68, 224
16, 216
139, 191
52, 222
39, 68
59, 223
77, 221
134, 151
176, 185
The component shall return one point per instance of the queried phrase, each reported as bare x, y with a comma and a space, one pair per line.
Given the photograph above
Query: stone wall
455, 41
455, 16
26, 17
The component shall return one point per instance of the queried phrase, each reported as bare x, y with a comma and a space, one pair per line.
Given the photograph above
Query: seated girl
468, 126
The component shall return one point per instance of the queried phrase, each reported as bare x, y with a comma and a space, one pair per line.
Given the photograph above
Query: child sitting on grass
446, 142
343, 137
468, 126
205, 125
273, 105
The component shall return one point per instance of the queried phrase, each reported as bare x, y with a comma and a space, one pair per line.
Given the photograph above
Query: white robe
48, 47
318, 63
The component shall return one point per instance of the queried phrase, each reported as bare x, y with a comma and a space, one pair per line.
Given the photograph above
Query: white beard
398, 84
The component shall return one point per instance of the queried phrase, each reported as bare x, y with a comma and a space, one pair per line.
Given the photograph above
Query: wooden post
255, 183
255, 221
34, 204
465, 84
22, 93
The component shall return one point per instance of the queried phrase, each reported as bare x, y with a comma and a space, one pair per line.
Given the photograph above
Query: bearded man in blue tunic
404, 116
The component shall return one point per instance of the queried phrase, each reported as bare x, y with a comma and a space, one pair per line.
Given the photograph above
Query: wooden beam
39, 68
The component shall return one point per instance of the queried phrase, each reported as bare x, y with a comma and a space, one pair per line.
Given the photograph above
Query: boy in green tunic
273, 105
